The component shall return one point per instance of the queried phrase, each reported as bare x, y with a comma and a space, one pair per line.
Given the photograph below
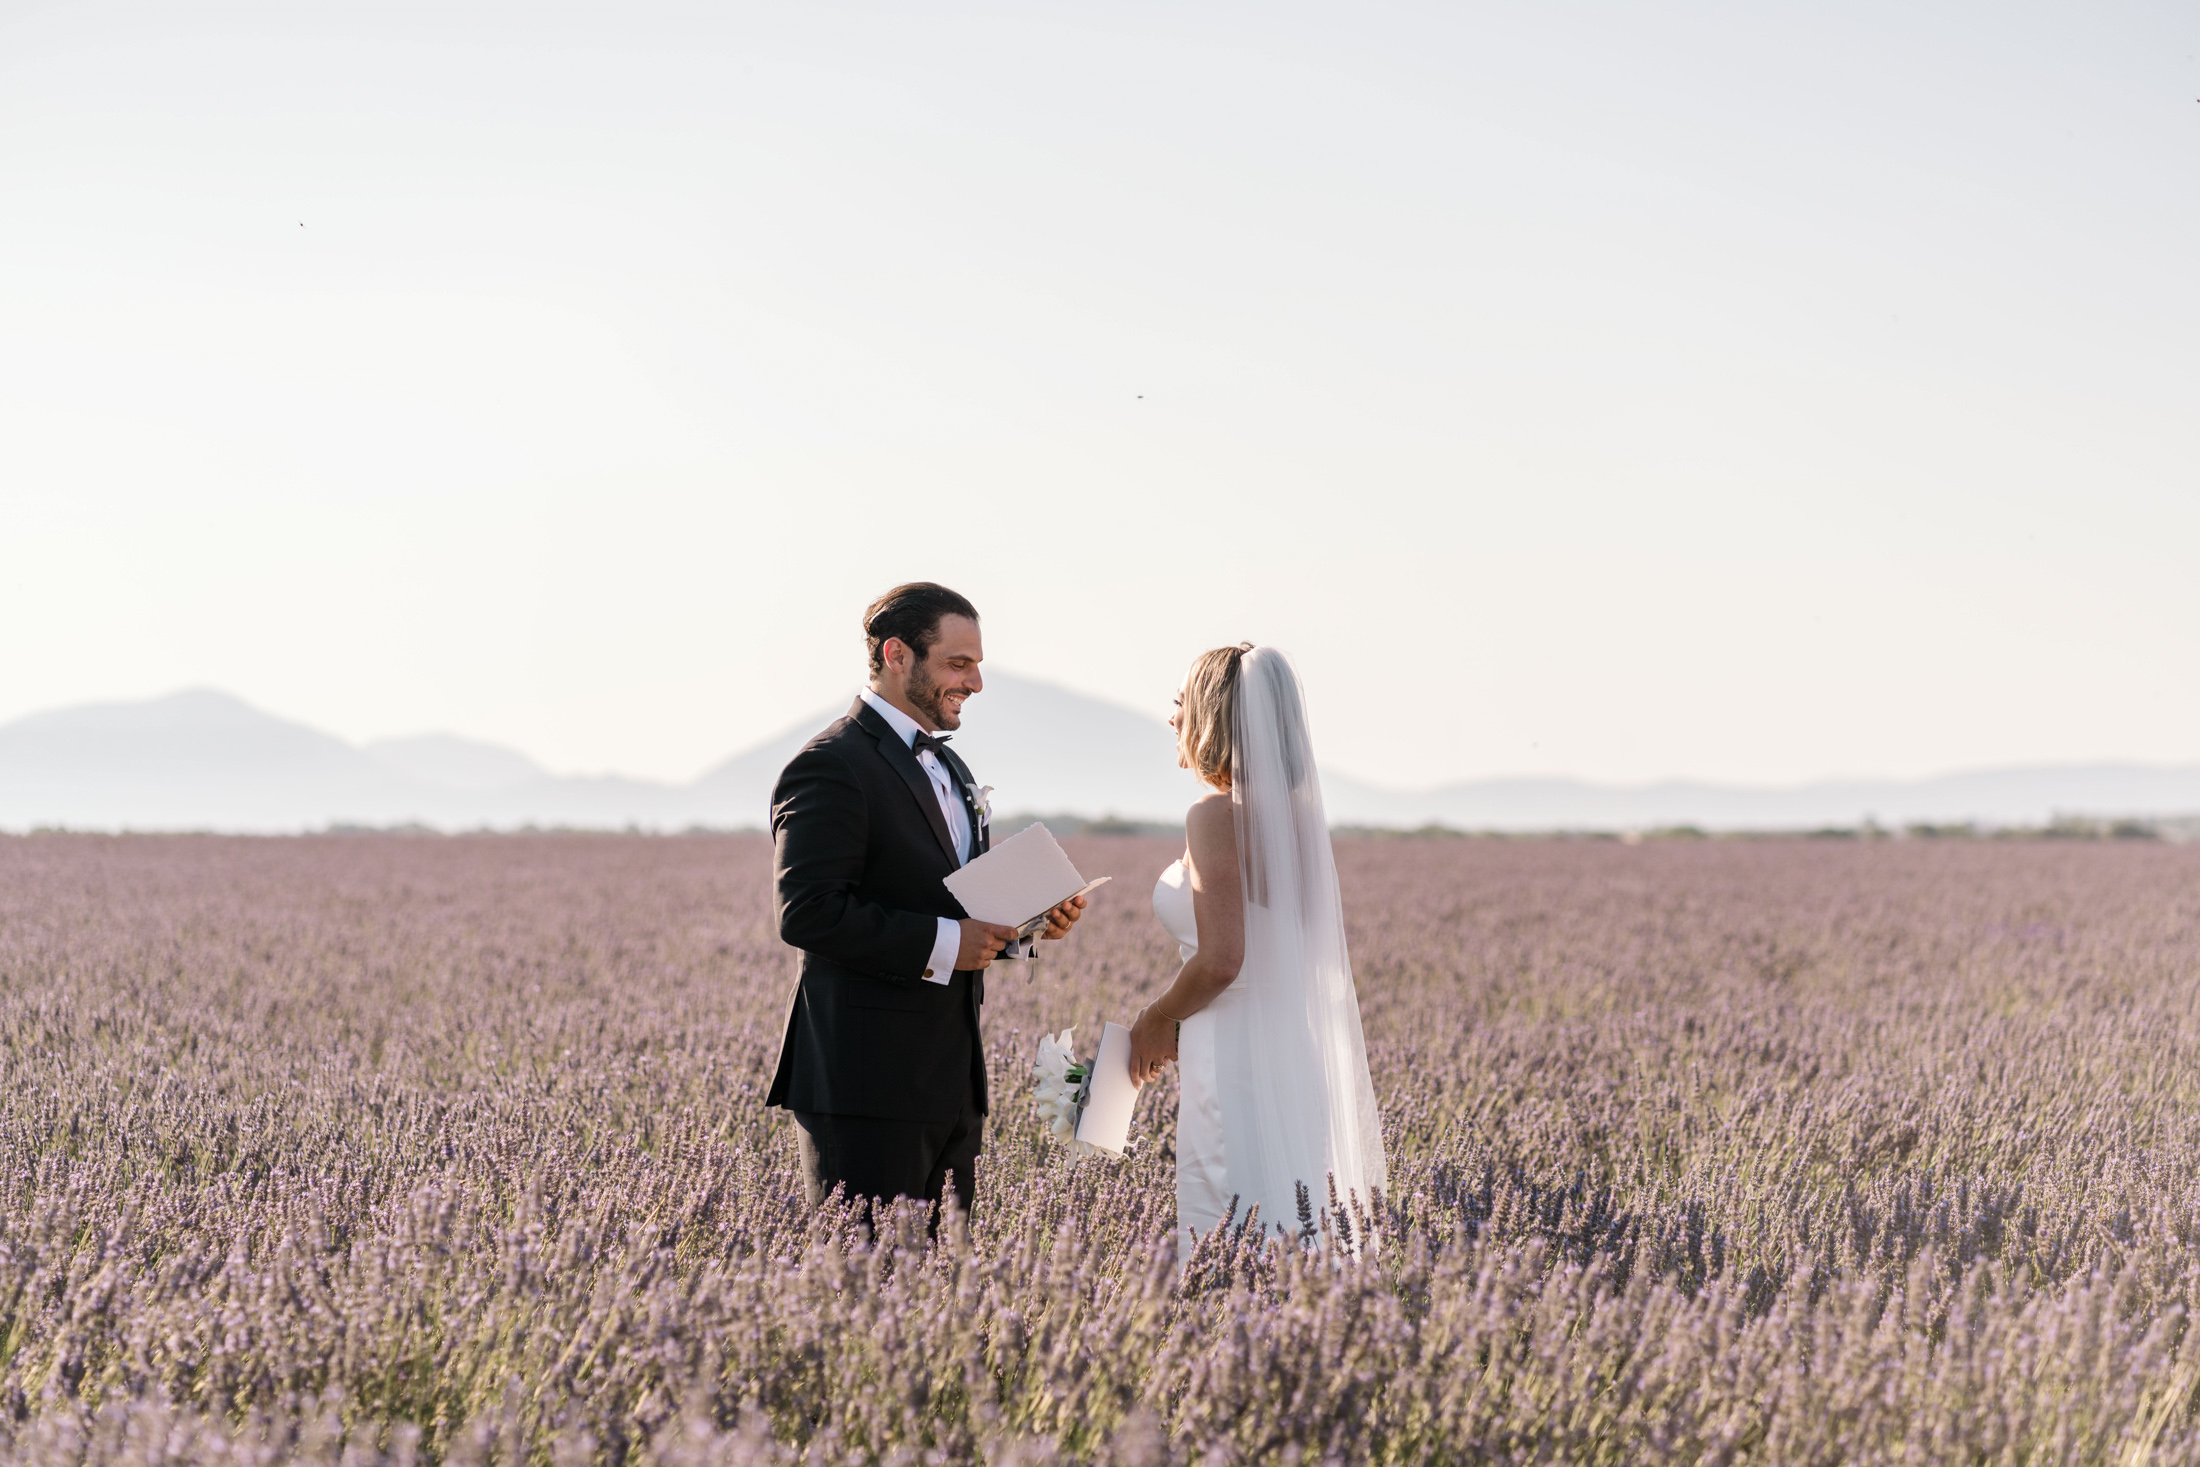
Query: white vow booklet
1017, 883
1110, 1097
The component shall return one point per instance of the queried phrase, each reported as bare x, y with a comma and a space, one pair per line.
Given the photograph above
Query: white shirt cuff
942, 966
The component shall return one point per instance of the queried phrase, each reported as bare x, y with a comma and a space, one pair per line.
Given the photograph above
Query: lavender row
360, 1149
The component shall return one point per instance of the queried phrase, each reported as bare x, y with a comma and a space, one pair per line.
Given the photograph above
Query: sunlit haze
1743, 392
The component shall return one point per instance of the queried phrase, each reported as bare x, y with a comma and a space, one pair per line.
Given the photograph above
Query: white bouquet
1063, 1085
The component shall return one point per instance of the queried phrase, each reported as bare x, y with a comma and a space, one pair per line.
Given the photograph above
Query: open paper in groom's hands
1017, 883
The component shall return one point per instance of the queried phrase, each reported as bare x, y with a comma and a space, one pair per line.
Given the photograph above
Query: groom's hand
982, 943
1062, 918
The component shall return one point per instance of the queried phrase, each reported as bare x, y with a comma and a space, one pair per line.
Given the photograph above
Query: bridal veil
1293, 1058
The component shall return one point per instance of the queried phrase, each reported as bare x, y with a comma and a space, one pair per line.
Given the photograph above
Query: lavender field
364, 1149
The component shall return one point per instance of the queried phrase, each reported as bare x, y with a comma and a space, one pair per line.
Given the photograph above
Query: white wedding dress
1203, 1189
1274, 1075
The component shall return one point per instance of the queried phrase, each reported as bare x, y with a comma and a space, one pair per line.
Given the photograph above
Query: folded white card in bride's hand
1110, 1095
1019, 881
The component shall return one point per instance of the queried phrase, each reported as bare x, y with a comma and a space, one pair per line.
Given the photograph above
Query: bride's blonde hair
1210, 707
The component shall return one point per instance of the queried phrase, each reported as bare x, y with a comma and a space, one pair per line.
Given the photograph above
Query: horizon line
1328, 771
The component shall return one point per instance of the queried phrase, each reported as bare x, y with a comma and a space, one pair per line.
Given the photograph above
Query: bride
1262, 1018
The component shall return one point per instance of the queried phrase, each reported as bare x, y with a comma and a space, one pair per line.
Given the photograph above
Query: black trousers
880, 1160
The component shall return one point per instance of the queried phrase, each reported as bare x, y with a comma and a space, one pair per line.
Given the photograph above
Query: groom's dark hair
912, 613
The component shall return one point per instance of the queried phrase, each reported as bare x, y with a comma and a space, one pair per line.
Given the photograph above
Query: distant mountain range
203, 760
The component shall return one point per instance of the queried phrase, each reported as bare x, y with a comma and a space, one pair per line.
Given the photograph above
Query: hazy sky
1753, 391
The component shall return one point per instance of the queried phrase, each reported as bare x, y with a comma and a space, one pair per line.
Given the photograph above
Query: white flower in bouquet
1059, 1092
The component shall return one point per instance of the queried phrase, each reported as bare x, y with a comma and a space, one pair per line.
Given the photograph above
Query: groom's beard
925, 694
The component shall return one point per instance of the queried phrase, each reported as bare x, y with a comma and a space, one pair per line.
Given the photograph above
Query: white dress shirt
941, 967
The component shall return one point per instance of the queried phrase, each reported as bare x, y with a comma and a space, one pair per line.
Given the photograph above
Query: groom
883, 1065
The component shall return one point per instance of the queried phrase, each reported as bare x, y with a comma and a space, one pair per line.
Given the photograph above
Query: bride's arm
1218, 906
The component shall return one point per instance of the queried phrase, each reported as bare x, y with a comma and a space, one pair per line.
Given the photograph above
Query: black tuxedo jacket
860, 847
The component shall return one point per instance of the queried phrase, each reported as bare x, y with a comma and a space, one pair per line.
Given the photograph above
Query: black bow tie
929, 741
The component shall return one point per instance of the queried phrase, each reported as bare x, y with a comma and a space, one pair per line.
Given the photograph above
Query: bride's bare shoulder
1210, 812
1210, 845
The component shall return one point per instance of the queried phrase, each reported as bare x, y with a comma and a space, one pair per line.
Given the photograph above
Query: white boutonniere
981, 800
